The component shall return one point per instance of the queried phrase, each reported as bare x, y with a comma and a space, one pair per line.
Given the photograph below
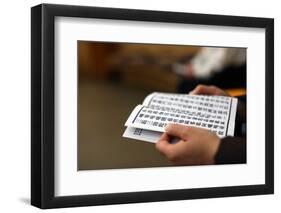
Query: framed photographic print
139, 106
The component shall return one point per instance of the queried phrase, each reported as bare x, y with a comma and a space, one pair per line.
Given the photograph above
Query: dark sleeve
241, 109
232, 150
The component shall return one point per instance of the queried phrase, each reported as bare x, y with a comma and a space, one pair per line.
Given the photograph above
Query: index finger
163, 145
164, 136
203, 90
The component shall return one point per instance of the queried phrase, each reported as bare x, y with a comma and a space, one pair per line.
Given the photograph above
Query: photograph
134, 106
155, 105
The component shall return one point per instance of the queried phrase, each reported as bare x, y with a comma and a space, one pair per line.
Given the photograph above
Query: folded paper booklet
147, 122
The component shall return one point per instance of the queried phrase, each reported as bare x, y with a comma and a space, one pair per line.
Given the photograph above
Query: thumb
177, 130
163, 145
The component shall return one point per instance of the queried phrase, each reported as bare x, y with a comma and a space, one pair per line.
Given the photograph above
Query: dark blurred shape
230, 77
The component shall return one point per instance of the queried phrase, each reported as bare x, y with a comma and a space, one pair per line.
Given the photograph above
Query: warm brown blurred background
137, 64
113, 79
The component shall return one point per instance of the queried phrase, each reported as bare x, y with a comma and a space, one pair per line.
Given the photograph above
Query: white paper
142, 134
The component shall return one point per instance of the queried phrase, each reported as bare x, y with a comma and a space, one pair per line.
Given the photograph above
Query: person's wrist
213, 149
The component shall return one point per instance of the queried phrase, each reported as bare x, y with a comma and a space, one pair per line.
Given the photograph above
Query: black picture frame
43, 111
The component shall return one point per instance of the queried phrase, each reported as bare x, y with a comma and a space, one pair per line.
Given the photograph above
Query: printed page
216, 113
145, 135
142, 134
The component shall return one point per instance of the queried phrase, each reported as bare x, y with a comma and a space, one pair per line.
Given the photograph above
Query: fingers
177, 130
165, 137
173, 152
163, 145
204, 90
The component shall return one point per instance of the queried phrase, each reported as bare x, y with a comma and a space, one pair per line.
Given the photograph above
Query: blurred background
115, 77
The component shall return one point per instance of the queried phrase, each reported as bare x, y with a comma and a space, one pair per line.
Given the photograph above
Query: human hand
208, 90
197, 146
